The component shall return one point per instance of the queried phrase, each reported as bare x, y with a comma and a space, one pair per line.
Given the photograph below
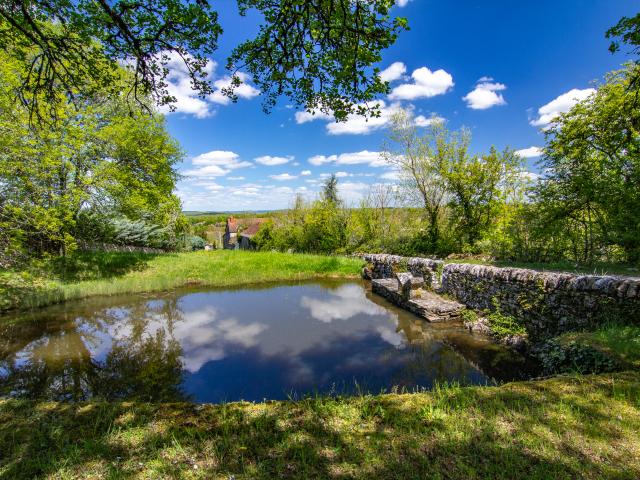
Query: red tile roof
253, 227
232, 225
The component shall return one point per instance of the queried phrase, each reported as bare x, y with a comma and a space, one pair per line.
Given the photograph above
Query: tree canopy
99, 159
627, 31
592, 160
319, 53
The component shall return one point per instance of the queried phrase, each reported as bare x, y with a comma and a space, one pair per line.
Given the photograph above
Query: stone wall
382, 265
546, 303
110, 247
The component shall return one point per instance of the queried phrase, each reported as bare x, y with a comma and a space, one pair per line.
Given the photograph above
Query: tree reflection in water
251, 343
86, 357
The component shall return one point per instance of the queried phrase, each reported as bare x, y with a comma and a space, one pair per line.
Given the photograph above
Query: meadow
110, 273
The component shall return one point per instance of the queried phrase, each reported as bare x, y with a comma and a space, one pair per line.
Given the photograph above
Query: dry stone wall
110, 247
382, 265
546, 303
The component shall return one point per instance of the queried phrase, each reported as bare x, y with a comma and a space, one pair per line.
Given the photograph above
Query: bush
16, 287
195, 243
556, 357
502, 325
469, 316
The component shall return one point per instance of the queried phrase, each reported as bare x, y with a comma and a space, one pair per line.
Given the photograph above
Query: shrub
195, 243
469, 316
556, 357
504, 325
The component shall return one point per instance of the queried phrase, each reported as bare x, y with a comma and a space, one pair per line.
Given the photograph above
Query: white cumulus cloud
391, 175
393, 72
422, 121
304, 117
283, 177
562, 104
188, 100
244, 90
359, 125
373, 159
216, 163
425, 84
354, 124
270, 161
485, 95
530, 152
305, 173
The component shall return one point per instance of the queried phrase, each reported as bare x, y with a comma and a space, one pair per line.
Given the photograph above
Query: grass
601, 268
561, 428
111, 273
622, 342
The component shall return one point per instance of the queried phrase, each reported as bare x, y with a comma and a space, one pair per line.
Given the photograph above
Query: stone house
240, 232
230, 238
246, 236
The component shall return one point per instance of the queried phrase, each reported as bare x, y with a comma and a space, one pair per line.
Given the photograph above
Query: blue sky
501, 68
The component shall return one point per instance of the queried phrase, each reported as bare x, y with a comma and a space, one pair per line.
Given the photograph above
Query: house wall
245, 243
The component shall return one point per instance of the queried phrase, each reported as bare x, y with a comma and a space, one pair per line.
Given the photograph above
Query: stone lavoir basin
265, 342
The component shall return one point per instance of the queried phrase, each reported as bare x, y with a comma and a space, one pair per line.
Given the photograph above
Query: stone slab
425, 304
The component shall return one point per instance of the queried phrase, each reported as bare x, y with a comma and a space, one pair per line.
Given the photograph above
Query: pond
265, 342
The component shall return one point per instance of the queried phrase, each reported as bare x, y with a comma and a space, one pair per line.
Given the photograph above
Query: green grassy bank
564, 427
110, 273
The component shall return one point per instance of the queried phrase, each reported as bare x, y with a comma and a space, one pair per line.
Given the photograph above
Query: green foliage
479, 188
316, 227
463, 196
62, 183
560, 428
503, 325
557, 357
15, 288
627, 30
420, 159
469, 316
330, 190
141, 233
324, 229
196, 243
319, 53
592, 187
617, 339
85, 274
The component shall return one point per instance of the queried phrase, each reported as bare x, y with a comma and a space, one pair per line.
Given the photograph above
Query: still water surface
268, 342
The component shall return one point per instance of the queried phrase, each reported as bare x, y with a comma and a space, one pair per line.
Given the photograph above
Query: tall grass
561, 428
109, 274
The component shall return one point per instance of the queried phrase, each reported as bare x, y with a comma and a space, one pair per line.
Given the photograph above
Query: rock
367, 273
481, 325
546, 303
404, 284
517, 342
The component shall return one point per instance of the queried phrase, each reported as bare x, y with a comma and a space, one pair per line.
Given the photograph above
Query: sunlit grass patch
563, 428
619, 340
111, 273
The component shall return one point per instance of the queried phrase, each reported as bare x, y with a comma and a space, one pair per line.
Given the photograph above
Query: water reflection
226, 345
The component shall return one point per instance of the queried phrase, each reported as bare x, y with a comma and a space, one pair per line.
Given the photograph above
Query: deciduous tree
319, 53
